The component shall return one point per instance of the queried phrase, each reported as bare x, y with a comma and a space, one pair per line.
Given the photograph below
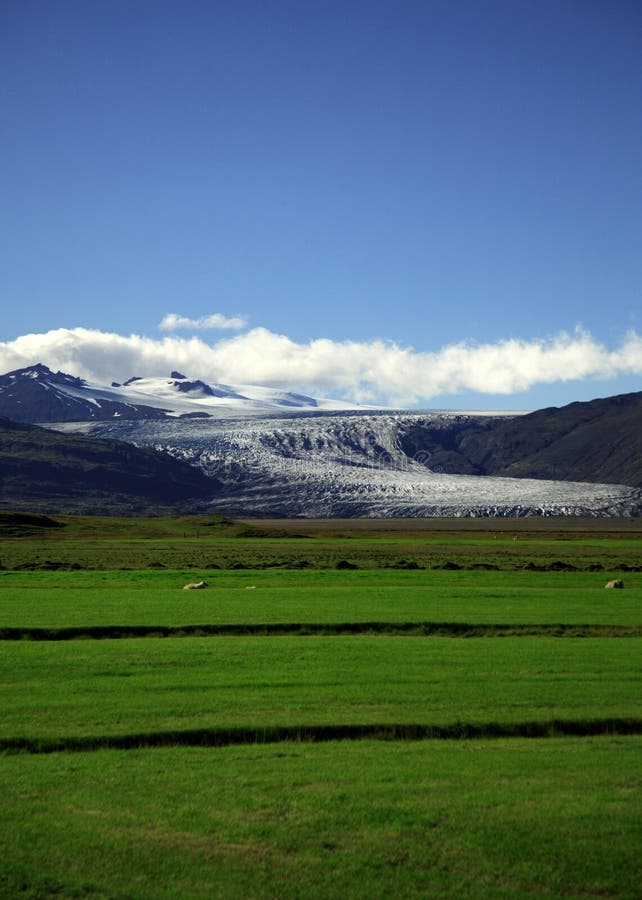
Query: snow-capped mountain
37, 395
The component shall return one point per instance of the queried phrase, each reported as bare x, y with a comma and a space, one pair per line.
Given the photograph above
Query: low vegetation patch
205, 542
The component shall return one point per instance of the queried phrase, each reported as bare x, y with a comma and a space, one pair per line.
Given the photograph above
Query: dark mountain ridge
45, 471
597, 441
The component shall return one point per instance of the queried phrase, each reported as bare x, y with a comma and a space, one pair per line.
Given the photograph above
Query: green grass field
207, 766
57, 599
70, 688
546, 818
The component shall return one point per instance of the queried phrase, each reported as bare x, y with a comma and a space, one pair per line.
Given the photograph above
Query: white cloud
174, 322
375, 371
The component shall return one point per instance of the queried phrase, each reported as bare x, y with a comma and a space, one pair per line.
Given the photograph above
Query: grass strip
225, 737
425, 629
89, 599
87, 688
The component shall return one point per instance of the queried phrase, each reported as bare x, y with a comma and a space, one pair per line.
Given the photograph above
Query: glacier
347, 464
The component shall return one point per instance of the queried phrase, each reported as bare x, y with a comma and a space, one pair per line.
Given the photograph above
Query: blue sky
374, 192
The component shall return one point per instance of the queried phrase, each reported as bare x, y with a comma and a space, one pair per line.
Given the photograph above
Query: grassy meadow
503, 818
426, 708
159, 685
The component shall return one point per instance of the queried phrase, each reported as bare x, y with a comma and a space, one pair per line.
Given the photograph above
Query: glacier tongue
348, 464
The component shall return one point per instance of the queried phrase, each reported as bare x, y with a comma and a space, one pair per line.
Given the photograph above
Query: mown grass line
224, 737
422, 629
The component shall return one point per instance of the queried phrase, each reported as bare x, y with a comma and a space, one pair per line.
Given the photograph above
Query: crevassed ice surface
338, 464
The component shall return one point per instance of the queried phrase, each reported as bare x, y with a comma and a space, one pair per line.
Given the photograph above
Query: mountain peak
40, 372
36, 394
37, 371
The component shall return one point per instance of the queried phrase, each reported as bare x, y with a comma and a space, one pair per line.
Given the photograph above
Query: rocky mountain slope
596, 441
600, 441
46, 471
